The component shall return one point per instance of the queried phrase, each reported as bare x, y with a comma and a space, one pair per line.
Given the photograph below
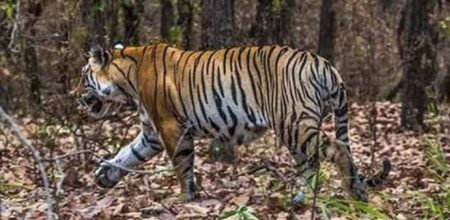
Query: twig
316, 187
16, 130
291, 201
59, 190
317, 167
15, 28
373, 125
254, 170
130, 170
275, 171
59, 157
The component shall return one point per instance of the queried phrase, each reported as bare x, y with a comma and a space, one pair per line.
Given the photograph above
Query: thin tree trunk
186, 22
30, 54
95, 15
131, 20
167, 18
444, 87
417, 40
217, 32
112, 11
327, 33
273, 23
217, 23
262, 27
285, 36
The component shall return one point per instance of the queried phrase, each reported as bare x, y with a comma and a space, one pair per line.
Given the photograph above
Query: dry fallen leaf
91, 211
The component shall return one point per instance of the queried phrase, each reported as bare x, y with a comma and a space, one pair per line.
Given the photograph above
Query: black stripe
123, 75
184, 152
233, 90
201, 104
252, 81
127, 56
136, 154
164, 64
232, 128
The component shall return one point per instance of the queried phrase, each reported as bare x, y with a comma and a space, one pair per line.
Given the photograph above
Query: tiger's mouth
97, 106
91, 103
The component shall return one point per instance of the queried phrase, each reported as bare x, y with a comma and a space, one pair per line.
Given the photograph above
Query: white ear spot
118, 46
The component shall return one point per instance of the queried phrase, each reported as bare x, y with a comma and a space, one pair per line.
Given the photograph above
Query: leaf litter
261, 182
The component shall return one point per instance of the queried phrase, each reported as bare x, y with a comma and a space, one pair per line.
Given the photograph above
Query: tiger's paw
187, 197
107, 176
358, 189
189, 194
359, 195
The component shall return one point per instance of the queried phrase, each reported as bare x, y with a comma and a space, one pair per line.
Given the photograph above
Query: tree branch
16, 131
15, 29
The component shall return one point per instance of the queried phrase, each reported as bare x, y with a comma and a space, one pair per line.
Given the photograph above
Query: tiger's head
102, 90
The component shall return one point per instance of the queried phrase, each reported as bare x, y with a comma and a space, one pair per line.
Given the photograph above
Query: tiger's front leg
145, 146
179, 146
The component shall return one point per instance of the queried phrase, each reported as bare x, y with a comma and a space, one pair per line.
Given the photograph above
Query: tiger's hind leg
339, 153
305, 141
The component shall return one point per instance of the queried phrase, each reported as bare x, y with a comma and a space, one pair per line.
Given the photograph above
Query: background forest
394, 56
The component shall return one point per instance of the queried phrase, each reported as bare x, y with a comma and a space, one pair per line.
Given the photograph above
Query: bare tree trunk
167, 18
131, 20
262, 28
273, 24
217, 32
417, 40
285, 36
34, 8
4, 98
327, 33
444, 87
217, 23
186, 22
111, 16
95, 18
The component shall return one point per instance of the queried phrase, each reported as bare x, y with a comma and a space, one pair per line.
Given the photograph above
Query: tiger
232, 96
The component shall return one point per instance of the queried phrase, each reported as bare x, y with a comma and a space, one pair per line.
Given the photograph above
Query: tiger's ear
118, 45
98, 57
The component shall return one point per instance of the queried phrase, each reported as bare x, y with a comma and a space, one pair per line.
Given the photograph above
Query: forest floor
260, 183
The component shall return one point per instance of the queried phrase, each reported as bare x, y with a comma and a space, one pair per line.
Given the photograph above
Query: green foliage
433, 109
329, 204
437, 164
175, 34
436, 206
242, 213
349, 208
276, 6
433, 208
444, 25
312, 180
186, 5
8, 8
47, 133
98, 6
